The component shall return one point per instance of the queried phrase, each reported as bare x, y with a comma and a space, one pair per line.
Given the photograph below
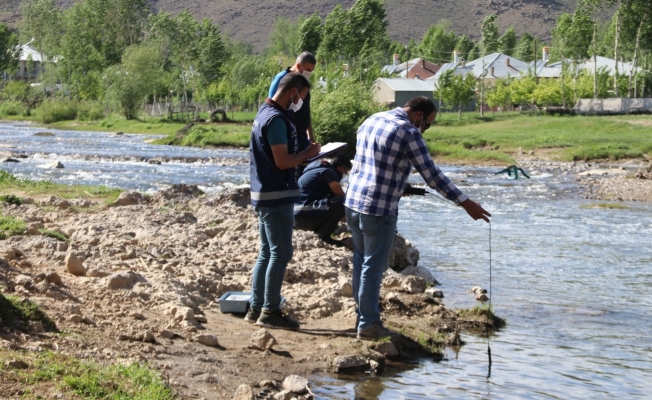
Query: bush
56, 110
338, 114
90, 111
11, 108
15, 90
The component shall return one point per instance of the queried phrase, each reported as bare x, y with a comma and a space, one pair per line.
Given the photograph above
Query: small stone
137, 315
122, 280
129, 199
345, 289
75, 309
435, 293
296, 384
284, 395
201, 318
477, 290
77, 319
482, 297
36, 326
54, 164
53, 277
268, 384
148, 337
74, 265
263, 340
17, 364
244, 392
167, 334
387, 349
413, 284
208, 340
344, 362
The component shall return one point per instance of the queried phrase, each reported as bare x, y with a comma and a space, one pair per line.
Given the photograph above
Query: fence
613, 106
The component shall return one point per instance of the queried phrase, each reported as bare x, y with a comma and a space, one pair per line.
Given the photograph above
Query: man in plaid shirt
388, 145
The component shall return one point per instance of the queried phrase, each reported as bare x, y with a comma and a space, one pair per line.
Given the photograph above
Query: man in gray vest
274, 156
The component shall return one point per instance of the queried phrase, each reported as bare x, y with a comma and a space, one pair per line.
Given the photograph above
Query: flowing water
572, 280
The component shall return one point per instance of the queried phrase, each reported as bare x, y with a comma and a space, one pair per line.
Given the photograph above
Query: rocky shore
140, 281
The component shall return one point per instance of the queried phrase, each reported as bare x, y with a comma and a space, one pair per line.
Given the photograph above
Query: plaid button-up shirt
387, 147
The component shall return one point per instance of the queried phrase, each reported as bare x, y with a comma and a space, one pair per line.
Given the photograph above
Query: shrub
338, 114
12, 107
90, 111
56, 110
11, 199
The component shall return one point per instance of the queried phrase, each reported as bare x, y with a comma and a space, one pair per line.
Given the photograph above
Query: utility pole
536, 81
595, 61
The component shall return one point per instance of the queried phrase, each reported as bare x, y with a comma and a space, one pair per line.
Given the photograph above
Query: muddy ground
139, 281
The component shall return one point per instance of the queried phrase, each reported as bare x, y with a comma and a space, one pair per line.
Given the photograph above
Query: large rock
296, 384
434, 293
263, 340
54, 164
421, 272
403, 254
208, 340
244, 392
345, 362
130, 199
122, 280
388, 349
74, 265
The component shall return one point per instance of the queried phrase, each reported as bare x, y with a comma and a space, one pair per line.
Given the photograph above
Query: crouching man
321, 199
274, 156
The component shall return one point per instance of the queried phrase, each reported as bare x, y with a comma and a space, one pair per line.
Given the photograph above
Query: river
572, 280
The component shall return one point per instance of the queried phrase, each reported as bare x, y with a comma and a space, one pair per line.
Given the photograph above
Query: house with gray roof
395, 92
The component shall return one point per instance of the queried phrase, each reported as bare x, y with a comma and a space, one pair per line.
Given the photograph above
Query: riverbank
496, 139
139, 282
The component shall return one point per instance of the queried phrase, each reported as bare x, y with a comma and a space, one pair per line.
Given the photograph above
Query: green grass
9, 182
16, 312
484, 311
212, 135
610, 206
54, 234
562, 138
10, 226
11, 199
83, 379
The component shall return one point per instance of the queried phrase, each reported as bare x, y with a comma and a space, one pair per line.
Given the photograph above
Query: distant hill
252, 20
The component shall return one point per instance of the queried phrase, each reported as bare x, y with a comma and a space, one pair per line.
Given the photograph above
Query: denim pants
373, 237
275, 227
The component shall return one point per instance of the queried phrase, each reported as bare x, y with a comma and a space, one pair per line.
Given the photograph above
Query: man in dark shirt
304, 65
320, 207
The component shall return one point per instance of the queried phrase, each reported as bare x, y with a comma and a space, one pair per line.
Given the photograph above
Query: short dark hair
293, 80
341, 160
421, 103
306, 57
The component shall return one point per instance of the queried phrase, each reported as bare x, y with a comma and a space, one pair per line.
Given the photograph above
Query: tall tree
310, 34
9, 49
525, 48
490, 42
464, 45
508, 41
456, 90
438, 43
285, 37
42, 23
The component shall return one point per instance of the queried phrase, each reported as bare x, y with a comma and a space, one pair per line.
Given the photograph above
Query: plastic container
237, 302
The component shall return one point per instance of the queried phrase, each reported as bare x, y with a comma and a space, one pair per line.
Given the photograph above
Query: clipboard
327, 150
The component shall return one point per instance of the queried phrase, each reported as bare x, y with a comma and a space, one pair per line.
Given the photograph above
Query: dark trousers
323, 224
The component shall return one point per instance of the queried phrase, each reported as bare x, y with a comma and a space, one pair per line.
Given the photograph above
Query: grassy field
11, 185
557, 138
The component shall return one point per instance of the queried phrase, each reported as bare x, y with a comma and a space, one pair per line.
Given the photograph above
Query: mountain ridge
252, 20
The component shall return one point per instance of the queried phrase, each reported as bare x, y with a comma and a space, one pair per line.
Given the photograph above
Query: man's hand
474, 210
312, 150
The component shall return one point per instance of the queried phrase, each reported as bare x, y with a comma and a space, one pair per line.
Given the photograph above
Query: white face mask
296, 107
306, 74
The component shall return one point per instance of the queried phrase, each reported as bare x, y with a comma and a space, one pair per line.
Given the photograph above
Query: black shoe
277, 320
377, 332
252, 315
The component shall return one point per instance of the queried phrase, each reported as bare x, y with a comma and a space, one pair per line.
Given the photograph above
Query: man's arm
284, 160
336, 188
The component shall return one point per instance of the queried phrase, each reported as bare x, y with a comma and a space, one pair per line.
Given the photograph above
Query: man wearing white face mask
389, 144
273, 157
304, 65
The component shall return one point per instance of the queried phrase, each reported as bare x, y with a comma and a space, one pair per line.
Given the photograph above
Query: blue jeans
373, 238
275, 226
